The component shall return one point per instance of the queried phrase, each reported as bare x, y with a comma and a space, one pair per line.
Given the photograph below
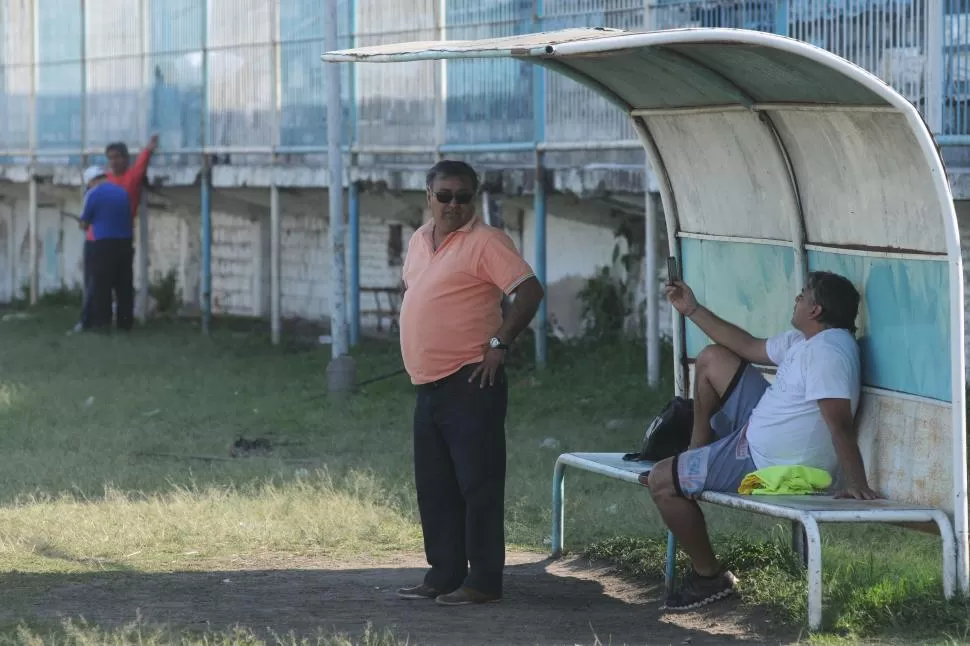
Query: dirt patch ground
568, 601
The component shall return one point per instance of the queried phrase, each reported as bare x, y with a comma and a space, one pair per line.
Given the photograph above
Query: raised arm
738, 341
140, 167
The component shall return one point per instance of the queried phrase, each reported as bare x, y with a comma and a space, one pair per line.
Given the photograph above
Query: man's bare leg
714, 370
683, 517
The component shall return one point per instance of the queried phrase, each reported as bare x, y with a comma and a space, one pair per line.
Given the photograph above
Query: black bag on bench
668, 433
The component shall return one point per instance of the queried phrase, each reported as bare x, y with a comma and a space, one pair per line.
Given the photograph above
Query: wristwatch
495, 344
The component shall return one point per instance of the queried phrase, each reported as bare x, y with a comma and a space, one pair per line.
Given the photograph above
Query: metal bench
805, 513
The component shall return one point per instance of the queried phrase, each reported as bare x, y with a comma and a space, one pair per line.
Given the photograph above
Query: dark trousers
88, 284
112, 262
459, 471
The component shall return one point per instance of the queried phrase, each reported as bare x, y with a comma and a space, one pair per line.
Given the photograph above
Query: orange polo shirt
453, 299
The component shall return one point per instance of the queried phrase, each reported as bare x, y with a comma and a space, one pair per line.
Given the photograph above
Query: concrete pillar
9, 242
141, 304
261, 266
33, 240
650, 265
188, 269
275, 266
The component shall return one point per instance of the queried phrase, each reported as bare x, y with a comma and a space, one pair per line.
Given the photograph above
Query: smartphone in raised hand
673, 272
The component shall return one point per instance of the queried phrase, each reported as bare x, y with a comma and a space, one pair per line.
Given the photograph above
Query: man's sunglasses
461, 197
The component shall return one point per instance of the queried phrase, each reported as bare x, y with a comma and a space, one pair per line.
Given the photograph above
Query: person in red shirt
131, 177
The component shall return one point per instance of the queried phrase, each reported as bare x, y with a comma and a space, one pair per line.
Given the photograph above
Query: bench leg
670, 575
558, 504
949, 554
814, 540
798, 542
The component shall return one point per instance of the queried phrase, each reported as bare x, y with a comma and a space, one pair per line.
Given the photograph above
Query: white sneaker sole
720, 596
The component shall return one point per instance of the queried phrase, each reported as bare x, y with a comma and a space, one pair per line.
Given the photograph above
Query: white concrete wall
580, 238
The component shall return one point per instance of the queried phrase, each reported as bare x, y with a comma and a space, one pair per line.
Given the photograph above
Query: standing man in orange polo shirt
453, 341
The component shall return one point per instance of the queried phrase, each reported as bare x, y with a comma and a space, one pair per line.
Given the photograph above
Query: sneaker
697, 591
423, 591
466, 596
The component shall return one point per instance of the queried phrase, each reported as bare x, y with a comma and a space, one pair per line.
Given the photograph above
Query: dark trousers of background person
459, 471
113, 274
88, 295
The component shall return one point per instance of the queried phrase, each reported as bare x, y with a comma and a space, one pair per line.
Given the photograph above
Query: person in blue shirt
107, 214
88, 276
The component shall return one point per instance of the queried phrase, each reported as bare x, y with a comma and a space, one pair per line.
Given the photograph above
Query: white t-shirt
786, 427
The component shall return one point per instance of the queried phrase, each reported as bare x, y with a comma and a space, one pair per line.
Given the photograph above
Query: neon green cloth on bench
785, 480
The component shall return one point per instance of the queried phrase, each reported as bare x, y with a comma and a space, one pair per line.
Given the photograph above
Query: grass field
114, 460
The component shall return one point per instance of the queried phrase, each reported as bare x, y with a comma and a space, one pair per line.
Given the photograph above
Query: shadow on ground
546, 602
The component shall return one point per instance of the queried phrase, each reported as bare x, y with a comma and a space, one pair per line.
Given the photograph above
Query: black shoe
423, 591
466, 596
697, 591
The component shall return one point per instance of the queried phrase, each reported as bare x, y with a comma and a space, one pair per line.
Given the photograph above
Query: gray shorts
723, 464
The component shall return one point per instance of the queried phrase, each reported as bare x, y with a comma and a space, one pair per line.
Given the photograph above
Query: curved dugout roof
759, 135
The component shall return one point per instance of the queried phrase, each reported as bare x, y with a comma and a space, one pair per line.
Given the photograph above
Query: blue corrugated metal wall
136, 66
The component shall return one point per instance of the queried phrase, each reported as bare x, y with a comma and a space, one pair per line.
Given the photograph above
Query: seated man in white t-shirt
742, 424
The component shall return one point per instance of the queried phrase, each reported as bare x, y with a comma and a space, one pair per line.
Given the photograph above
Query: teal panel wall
904, 322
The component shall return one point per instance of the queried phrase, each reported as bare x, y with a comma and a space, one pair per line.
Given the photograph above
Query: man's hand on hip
488, 368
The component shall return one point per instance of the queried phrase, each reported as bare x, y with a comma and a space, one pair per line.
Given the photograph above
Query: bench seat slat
821, 507
607, 464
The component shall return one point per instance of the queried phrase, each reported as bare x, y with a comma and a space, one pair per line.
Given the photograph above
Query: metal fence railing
245, 77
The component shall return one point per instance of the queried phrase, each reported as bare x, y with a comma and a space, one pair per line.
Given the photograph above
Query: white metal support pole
650, 276
32, 186
934, 65
441, 105
84, 131
338, 315
486, 208
341, 371
274, 264
275, 280
11, 255
141, 306
84, 84
205, 177
650, 265
32, 224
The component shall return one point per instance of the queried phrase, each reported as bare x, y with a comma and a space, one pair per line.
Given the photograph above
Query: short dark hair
452, 168
116, 146
837, 297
